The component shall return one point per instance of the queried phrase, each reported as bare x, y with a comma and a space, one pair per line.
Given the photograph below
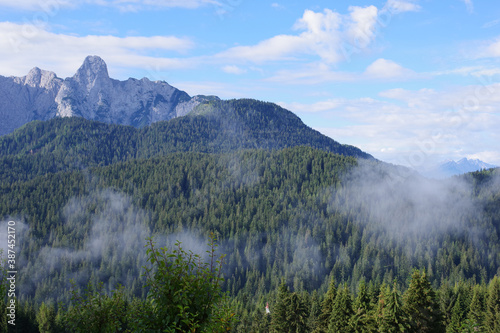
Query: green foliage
46, 318
394, 318
185, 291
290, 313
363, 319
279, 213
342, 312
70, 143
95, 311
492, 318
279, 312
326, 308
477, 307
421, 305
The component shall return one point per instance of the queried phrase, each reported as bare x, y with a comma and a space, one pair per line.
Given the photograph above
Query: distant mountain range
452, 168
90, 94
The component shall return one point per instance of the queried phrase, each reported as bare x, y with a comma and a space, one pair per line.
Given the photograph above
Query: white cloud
328, 35
49, 6
492, 50
276, 48
474, 71
122, 5
486, 72
137, 5
233, 70
399, 6
362, 25
387, 69
486, 156
23, 46
413, 127
316, 73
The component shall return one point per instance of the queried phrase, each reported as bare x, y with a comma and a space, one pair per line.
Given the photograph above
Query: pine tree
421, 306
492, 318
341, 312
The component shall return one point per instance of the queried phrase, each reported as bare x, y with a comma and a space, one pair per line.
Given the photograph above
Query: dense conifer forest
331, 239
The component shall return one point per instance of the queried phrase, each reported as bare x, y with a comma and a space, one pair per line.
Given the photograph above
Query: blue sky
412, 82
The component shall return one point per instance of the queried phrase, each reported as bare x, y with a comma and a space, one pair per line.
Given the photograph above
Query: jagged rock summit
90, 94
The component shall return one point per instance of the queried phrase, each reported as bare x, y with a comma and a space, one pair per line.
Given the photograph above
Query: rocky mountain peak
90, 94
93, 69
39, 78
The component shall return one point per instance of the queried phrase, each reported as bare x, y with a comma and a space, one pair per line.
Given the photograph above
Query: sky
412, 82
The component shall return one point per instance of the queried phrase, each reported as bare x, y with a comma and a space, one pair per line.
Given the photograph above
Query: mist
407, 206
104, 240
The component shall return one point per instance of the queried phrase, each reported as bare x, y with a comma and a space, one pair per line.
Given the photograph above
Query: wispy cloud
233, 69
400, 6
316, 73
277, 5
24, 45
469, 5
38, 5
138, 5
491, 24
325, 34
492, 49
425, 122
122, 5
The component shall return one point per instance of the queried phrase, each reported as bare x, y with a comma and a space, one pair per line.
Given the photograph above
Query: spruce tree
279, 315
421, 305
381, 305
297, 314
492, 318
458, 313
326, 308
363, 320
341, 312
314, 312
476, 309
393, 317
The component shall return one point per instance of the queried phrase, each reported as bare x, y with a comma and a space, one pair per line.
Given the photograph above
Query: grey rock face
91, 94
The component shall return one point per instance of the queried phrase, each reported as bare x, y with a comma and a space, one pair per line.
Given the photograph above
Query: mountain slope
249, 123
214, 127
291, 213
90, 94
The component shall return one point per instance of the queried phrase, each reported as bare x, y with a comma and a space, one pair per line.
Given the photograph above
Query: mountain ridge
92, 94
449, 168
73, 143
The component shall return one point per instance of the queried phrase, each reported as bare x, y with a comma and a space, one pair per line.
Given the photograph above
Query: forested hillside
74, 143
298, 215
